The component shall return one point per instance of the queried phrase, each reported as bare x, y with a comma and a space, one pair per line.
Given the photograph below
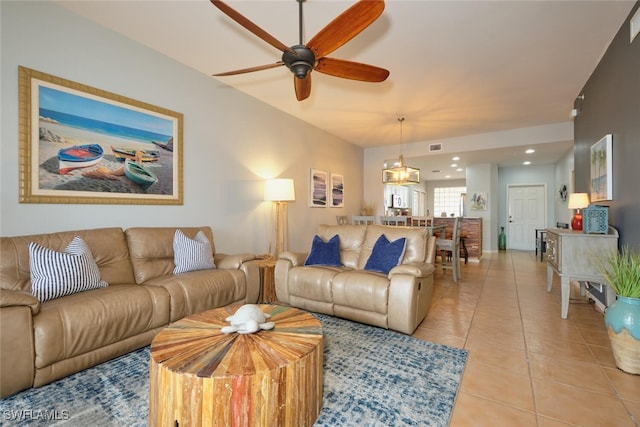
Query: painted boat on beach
139, 174
128, 153
167, 146
78, 156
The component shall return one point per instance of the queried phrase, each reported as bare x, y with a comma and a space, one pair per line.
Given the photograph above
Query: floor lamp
280, 192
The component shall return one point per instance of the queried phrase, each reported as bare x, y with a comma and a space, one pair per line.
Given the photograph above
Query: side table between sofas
267, 280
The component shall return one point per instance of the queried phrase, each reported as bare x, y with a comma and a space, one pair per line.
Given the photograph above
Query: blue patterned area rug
372, 377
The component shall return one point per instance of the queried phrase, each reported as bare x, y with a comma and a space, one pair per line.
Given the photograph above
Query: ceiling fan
301, 59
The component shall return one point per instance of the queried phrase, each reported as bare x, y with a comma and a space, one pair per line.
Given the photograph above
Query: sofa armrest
285, 263
11, 298
296, 258
409, 300
247, 263
416, 269
232, 262
17, 351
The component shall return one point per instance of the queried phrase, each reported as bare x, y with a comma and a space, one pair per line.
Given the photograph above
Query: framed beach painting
79, 144
337, 190
602, 170
318, 189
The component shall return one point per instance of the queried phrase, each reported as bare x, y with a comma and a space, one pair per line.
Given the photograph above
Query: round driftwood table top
200, 376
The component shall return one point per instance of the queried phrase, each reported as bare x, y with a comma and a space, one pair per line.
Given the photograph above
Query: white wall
564, 169
232, 142
482, 178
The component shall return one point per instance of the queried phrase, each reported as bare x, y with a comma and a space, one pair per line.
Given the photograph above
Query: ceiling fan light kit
302, 59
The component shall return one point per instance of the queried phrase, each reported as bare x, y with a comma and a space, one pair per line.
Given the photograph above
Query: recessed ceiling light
455, 158
459, 170
526, 163
530, 150
454, 165
447, 176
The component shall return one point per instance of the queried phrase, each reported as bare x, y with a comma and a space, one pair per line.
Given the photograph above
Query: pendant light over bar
399, 173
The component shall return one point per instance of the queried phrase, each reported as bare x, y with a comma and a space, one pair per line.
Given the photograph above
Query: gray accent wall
611, 105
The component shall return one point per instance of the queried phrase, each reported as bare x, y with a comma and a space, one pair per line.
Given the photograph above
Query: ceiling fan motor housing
300, 63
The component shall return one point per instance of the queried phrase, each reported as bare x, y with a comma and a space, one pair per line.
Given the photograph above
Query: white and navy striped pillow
191, 254
56, 274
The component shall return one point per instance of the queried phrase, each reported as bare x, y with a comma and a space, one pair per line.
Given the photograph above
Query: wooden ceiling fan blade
302, 87
249, 25
250, 70
345, 27
351, 70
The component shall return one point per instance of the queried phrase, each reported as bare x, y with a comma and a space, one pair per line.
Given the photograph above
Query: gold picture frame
82, 145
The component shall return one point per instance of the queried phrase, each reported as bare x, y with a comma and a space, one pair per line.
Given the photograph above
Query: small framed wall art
602, 170
337, 190
318, 188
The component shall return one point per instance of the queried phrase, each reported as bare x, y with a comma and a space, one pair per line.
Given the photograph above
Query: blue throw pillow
324, 253
385, 255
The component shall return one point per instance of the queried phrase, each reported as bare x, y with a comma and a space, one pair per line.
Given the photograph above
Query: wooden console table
575, 255
201, 377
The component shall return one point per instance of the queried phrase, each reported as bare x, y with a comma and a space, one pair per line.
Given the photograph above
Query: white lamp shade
279, 190
578, 200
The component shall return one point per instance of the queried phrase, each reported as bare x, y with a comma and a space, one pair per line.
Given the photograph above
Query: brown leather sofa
42, 342
398, 301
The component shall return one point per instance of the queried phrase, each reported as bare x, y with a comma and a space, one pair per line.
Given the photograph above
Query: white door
526, 209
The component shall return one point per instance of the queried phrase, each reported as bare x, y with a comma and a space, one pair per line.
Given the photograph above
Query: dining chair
429, 220
393, 220
450, 250
418, 221
363, 219
342, 219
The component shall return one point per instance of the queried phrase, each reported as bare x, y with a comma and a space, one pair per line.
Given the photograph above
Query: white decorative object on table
247, 320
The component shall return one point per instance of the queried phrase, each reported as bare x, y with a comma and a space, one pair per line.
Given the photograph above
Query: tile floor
527, 366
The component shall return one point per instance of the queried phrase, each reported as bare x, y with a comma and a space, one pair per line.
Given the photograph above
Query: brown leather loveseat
398, 300
42, 342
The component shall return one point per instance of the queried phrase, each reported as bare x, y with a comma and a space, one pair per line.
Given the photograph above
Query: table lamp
279, 191
578, 201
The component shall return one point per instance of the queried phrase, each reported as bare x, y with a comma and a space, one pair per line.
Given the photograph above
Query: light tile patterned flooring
527, 366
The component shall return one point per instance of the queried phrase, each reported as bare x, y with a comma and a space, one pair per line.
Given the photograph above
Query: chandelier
399, 173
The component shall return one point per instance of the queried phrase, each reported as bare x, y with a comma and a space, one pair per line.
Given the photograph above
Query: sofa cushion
351, 240
385, 255
108, 247
191, 254
312, 282
361, 290
415, 246
56, 274
202, 290
324, 253
78, 324
151, 249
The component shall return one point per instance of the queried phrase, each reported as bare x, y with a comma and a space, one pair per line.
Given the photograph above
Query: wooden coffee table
202, 377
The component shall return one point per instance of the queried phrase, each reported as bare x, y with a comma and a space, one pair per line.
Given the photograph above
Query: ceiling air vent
435, 147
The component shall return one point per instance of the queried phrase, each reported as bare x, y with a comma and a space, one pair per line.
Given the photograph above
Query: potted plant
622, 318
